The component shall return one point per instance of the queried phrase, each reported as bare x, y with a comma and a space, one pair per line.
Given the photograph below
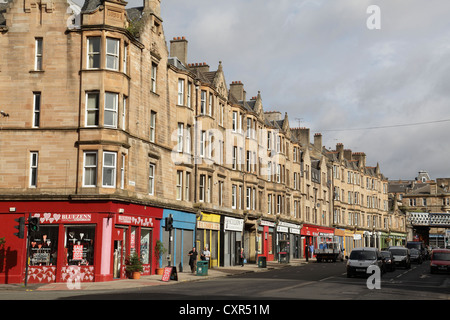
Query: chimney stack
154, 6
318, 141
178, 48
237, 90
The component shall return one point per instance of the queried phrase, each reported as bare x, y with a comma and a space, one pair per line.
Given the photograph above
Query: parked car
402, 256
440, 261
361, 258
416, 256
419, 246
389, 261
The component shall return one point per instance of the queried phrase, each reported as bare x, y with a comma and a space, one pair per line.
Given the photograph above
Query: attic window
157, 27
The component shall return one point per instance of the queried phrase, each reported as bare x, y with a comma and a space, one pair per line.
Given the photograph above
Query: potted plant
134, 266
159, 251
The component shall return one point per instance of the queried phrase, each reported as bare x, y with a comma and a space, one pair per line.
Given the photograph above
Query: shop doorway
118, 258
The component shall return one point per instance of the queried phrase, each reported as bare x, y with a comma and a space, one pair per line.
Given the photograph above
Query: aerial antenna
299, 121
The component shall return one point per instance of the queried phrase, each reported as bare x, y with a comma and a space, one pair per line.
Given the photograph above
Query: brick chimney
178, 48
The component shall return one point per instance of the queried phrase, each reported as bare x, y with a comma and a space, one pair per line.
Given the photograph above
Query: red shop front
81, 241
312, 235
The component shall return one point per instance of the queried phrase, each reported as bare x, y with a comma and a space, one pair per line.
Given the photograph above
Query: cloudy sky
385, 92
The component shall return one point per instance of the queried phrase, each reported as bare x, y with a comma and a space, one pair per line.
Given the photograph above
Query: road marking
287, 288
326, 278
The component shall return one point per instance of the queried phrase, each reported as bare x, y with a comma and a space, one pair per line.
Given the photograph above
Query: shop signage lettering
208, 225
282, 229
143, 222
266, 223
233, 224
48, 217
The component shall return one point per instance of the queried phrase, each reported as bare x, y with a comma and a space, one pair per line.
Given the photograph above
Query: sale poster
77, 252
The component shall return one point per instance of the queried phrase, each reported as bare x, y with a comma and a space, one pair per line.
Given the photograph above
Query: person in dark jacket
192, 259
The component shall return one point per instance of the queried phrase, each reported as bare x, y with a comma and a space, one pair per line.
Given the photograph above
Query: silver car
402, 256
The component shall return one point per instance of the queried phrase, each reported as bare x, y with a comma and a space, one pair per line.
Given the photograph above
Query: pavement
152, 280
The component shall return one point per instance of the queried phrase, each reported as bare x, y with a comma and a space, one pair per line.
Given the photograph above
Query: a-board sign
170, 273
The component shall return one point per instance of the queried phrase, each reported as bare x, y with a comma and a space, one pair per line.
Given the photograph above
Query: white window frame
91, 55
122, 172
112, 167
90, 167
124, 112
34, 164
38, 54
111, 109
112, 56
187, 186
151, 179
179, 193
234, 124
152, 126
189, 95
37, 102
153, 75
203, 102
181, 92
201, 188
95, 110
233, 196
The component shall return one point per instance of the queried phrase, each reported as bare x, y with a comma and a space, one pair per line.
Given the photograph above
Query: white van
361, 258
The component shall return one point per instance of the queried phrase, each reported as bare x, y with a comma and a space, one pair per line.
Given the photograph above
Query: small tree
134, 263
159, 249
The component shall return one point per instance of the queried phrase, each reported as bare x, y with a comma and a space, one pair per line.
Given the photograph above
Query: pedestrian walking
206, 254
242, 257
192, 259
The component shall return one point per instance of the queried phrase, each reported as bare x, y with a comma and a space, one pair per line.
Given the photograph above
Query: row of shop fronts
91, 241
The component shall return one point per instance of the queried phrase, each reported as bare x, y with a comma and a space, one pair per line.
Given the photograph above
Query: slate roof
91, 5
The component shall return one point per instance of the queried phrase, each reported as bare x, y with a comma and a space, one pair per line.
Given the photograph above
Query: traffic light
33, 224
169, 223
20, 227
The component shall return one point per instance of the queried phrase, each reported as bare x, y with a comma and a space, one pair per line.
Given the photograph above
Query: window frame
34, 167
114, 55
90, 167
113, 169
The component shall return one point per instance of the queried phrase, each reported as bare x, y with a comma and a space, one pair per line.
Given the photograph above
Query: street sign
170, 273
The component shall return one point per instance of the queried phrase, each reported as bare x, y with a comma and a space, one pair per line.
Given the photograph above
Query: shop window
44, 246
79, 245
145, 245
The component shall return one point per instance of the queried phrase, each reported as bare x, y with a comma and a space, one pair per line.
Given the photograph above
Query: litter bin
262, 262
202, 268
283, 257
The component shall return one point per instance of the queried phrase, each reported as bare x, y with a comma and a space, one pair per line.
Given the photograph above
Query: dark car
419, 246
440, 261
415, 256
389, 262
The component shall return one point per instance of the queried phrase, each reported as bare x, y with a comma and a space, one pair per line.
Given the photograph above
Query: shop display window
44, 246
145, 245
79, 245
